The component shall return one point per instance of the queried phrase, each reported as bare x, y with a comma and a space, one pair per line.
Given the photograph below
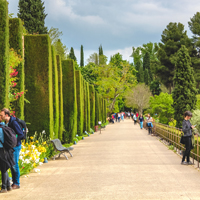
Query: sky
117, 25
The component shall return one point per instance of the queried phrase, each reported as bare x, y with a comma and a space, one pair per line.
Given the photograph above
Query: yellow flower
31, 137
36, 141
42, 160
44, 143
34, 165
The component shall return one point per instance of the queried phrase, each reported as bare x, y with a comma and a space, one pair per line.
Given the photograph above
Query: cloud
117, 25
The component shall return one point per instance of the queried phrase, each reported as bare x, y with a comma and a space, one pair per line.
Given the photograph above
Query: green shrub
105, 110
16, 43
60, 88
88, 106
79, 95
4, 54
69, 100
100, 108
92, 106
55, 93
38, 73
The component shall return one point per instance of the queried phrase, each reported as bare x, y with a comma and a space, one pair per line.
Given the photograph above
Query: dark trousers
188, 146
150, 130
5, 180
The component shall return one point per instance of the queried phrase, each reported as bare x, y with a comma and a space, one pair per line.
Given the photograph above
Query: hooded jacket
186, 128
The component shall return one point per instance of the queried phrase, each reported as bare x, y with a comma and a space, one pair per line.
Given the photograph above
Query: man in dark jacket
12, 123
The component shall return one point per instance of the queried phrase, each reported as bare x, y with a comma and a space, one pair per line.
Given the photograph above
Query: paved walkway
121, 163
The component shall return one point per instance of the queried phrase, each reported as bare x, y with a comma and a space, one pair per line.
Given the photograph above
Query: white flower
27, 161
27, 151
37, 160
21, 157
33, 146
36, 170
43, 132
40, 163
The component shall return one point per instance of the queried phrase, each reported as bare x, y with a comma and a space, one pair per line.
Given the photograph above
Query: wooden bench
59, 147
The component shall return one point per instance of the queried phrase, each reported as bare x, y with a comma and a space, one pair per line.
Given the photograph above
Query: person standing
187, 130
149, 123
12, 123
6, 162
137, 115
119, 117
141, 119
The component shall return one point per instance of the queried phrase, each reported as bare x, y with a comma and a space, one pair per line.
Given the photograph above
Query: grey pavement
123, 162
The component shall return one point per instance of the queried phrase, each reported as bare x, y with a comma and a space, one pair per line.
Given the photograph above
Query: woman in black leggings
187, 130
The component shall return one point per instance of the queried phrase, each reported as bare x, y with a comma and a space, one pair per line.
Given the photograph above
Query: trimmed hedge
79, 97
88, 106
85, 126
4, 54
96, 108
69, 100
60, 88
38, 81
92, 106
16, 43
100, 108
105, 110
55, 93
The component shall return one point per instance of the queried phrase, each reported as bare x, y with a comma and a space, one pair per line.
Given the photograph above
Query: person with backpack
6, 161
12, 123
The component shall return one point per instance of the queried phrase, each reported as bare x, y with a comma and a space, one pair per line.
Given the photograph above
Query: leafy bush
195, 120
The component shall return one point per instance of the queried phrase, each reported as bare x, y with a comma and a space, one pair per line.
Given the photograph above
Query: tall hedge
85, 126
96, 108
92, 106
69, 100
60, 92
55, 93
88, 106
4, 54
100, 108
105, 110
16, 43
38, 81
79, 95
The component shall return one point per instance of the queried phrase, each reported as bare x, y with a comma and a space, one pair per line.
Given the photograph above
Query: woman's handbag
182, 140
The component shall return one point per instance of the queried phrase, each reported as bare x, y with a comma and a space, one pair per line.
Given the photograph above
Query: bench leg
65, 155
70, 154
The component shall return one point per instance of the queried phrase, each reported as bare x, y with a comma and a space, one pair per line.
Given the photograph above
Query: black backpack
22, 125
10, 139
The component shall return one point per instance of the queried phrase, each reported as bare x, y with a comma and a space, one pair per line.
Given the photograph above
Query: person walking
134, 118
187, 130
119, 117
12, 123
141, 119
6, 162
149, 123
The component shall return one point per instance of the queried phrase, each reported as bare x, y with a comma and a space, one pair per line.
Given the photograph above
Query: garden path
123, 162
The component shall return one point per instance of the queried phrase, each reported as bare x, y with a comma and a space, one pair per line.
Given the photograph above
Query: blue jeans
15, 169
141, 124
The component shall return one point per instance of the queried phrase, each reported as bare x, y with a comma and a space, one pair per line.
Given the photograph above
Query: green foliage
54, 34
72, 54
61, 49
60, 88
194, 24
162, 106
155, 87
105, 110
146, 77
195, 120
55, 93
69, 100
184, 93
4, 54
82, 57
32, 12
172, 38
38, 73
92, 106
198, 102
141, 75
80, 103
16, 43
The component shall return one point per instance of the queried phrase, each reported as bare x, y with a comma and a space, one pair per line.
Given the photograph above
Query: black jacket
186, 128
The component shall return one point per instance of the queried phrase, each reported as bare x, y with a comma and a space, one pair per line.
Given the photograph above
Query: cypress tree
137, 67
88, 106
184, 93
141, 75
100, 50
96, 108
82, 57
85, 126
146, 77
72, 54
147, 65
32, 12
4, 54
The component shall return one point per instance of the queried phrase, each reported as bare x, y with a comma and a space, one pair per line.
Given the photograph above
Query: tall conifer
82, 57
184, 93
72, 54
32, 12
